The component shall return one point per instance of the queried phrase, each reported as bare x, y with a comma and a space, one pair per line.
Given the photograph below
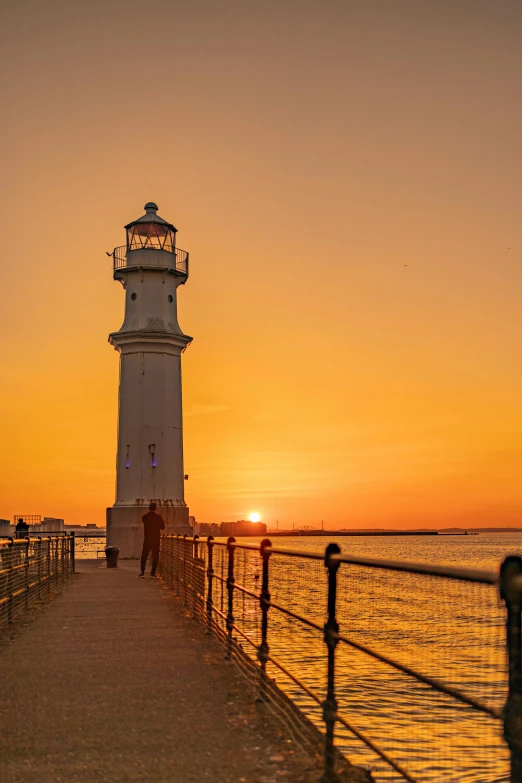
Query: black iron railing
172, 258
30, 568
406, 648
87, 546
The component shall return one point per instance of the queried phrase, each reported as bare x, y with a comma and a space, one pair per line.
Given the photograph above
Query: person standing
21, 528
153, 524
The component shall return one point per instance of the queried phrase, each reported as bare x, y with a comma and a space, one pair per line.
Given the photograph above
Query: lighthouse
149, 464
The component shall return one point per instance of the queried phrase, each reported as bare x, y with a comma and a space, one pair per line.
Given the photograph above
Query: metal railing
439, 661
30, 568
86, 545
175, 258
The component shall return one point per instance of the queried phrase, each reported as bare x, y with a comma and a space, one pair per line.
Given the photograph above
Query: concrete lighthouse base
125, 526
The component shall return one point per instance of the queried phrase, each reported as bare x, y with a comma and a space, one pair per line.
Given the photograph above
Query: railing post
210, 577
10, 581
511, 592
73, 552
264, 602
176, 564
193, 576
331, 638
26, 569
184, 577
49, 564
39, 568
230, 588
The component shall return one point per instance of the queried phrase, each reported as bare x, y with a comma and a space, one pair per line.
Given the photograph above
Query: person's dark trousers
150, 546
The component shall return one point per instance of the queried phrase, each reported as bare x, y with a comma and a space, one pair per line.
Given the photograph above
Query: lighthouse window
170, 298
133, 297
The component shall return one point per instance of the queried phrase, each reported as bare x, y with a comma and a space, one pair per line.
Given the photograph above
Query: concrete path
114, 682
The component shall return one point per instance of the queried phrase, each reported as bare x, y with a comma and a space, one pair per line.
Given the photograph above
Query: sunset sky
347, 179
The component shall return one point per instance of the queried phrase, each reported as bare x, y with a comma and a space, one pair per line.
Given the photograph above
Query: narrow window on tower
127, 458
152, 452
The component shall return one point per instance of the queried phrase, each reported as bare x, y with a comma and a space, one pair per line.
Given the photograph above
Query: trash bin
111, 553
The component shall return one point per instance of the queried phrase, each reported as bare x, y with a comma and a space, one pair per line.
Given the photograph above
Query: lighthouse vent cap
151, 216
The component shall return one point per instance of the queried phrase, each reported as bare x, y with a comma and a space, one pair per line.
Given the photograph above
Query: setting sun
254, 517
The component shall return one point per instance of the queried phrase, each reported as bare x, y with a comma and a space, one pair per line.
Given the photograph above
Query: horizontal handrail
22, 541
448, 572
270, 549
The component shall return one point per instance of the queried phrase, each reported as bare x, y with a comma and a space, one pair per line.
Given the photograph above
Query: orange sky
347, 179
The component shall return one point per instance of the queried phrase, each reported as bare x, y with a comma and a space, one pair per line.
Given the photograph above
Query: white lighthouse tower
150, 436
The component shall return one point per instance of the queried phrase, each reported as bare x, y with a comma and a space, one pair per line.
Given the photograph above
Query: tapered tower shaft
149, 463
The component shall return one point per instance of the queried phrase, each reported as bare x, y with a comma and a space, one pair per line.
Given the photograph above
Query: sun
254, 516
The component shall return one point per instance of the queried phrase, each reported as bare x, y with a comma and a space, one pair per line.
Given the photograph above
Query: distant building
52, 525
207, 529
5, 527
39, 525
92, 526
243, 528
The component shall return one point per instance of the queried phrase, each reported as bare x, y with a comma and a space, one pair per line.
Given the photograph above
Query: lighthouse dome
151, 231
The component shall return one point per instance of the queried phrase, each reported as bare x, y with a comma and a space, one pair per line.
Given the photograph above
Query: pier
196, 676
113, 682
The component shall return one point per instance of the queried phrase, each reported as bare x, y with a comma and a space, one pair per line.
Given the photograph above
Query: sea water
450, 630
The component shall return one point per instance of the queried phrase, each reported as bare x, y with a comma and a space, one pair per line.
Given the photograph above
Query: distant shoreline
448, 531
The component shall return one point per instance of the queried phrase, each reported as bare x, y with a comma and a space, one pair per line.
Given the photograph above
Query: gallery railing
30, 568
414, 670
176, 259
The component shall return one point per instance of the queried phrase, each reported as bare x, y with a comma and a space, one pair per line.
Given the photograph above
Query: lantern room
151, 232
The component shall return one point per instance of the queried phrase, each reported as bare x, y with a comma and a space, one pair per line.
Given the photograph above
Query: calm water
445, 629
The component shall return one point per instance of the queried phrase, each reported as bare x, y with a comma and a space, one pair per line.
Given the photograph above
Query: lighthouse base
125, 526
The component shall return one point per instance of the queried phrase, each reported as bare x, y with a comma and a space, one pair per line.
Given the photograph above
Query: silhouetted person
153, 524
21, 528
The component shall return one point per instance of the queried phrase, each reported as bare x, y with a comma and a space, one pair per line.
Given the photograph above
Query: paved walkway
112, 682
